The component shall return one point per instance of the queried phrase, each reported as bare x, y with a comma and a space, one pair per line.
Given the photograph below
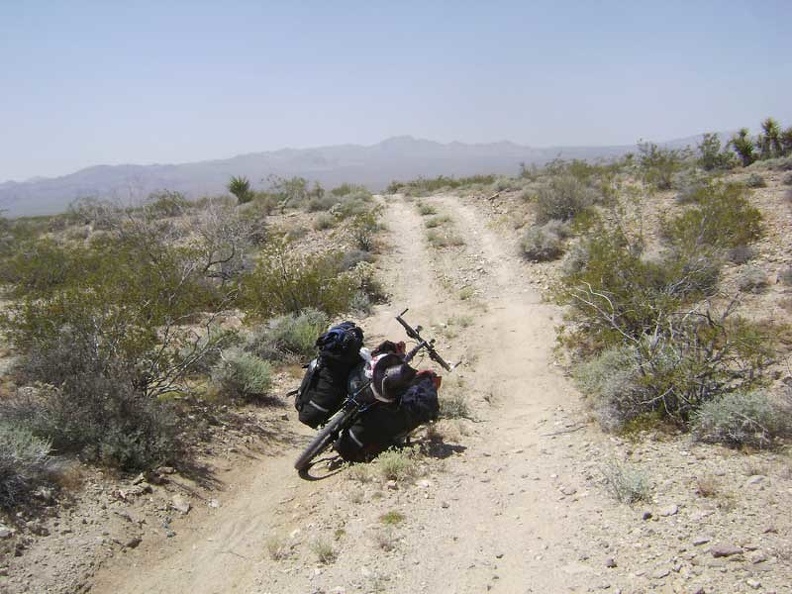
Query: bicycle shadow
323, 468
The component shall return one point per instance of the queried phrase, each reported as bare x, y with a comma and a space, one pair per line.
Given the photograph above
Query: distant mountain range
399, 158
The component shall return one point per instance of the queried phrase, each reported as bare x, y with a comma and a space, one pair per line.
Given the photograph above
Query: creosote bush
564, 198
722, 217
285, 281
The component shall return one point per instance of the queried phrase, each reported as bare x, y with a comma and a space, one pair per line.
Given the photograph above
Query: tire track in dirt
486, 517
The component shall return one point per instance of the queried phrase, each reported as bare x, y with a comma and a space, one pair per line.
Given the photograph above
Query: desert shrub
614, 292
611, 380
97, 413
353, 257
454, 406
660, 165
542, 244
165, 204
423, 186
24, 459
436, 221
285, 281
368, 284
741, 254
399, 464
691, 184
564, 198
425, 209
291, 336
742, 419
712, 156
364, 227
625, 482
444, 237
324, 221
239, 374
752, 279
325, 552
755, 181
346, 189
722, 217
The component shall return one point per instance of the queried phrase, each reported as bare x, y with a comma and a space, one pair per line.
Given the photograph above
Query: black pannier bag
323, 387
384, 425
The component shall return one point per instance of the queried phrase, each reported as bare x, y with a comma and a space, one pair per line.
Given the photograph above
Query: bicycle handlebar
415, 334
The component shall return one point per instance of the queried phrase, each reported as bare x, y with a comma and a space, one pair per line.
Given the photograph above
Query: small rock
671, 510
568, 491
445, 505
755, 584
757, 557
725, 550
499, 555
392, 485
701, 539
423, 483
661, 573
180, 504
755, 479
647, 515
133, 542
610, 562
5, 532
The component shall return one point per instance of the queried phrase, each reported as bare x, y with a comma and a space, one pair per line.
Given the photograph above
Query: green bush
742, 419
564, 198
285, 281
660, 165
722, 217
241, 375
24, 459
712, 157
364, 227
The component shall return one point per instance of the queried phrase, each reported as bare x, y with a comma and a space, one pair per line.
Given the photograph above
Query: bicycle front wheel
324, 439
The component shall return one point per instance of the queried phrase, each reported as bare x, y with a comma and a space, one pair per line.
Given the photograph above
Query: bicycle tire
323, 439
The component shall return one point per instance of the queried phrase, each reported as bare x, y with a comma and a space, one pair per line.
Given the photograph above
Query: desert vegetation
122, 322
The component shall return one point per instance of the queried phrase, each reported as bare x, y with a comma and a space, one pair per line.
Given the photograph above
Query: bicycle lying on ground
360, 398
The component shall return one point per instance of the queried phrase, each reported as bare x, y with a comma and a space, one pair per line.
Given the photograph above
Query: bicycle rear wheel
324, 439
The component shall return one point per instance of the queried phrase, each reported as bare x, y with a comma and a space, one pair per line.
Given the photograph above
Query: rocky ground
520, 493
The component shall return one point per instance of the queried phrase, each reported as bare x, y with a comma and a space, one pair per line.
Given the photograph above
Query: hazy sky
126, 81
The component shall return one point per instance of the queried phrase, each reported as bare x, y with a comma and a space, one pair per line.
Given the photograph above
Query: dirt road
511, 503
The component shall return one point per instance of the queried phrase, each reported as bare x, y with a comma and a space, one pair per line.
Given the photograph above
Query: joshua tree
240, 187
744, 147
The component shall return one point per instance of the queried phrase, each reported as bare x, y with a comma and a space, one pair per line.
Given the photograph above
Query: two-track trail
502, 507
